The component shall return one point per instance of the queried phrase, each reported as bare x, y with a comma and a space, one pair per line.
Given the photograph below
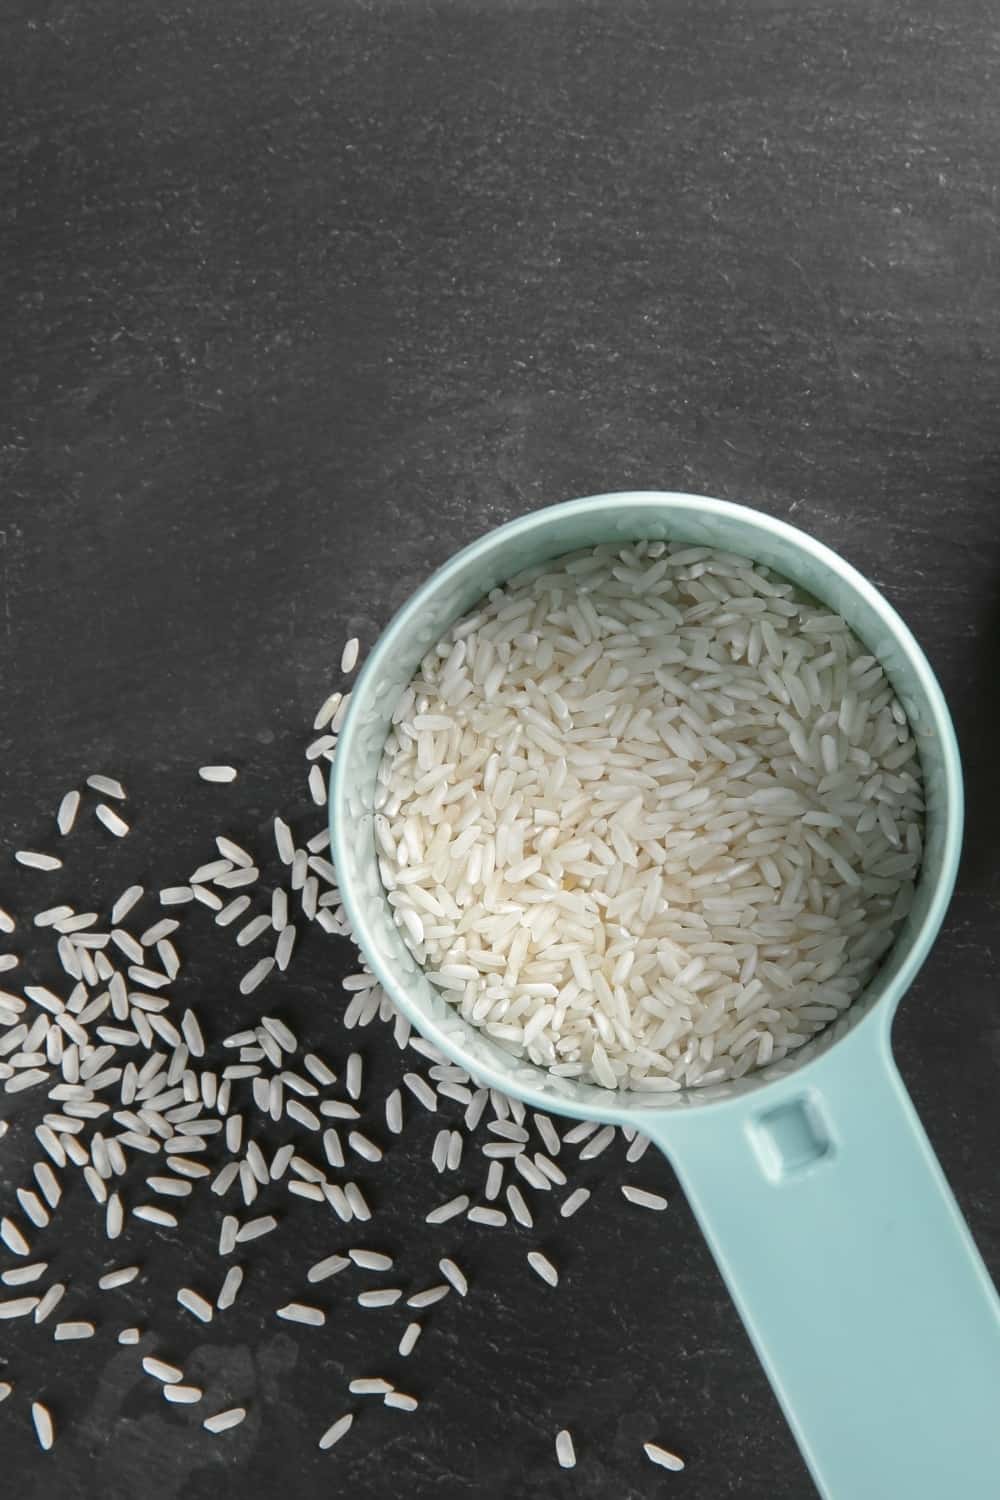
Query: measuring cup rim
878, 1018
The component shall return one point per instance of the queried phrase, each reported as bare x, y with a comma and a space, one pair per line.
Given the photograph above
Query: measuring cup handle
854, 1272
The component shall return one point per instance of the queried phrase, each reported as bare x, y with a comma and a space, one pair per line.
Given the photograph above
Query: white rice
394, 1112
493, 1218
234, 852
330, 1266
128, 945
223, 1420
111, 820
339, 1429
166, 1097
64, 1332
598, 1143
18, 1307
357, 1201
233, 879
23, 1275
531, 1174
323, 745
36, 861
673, 795
428, 1297
565, 1452
176, 895
161, 929
254, 1228
400, 1401
171, 1187
421, 1091
548, 1133
191, 1031
349, 655
153, 1215
256, 976
299, 1312
68, 809
573, 1201
453, 1274
169, 958
50, 1301
327, 710
252, 930
363, 1146
663, 1457
228, 1230
543, 1267
643, 1199
125, 903
206, 897
217, 773
51, 915
148, 978
307, 1117
121, 1277
384, 1297
13, 1238
233, 911
407, 1343
44, 1429
332, 1149
230, 1287
196, 1304
107, 786
371, 1260
449, 1210
282, 1034
25, 1081
283, 841
283, 947
160, 1370
637, 1149
182, 1395
518, 1207
48, 1182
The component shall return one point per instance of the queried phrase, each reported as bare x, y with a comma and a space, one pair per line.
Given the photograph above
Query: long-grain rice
651, 817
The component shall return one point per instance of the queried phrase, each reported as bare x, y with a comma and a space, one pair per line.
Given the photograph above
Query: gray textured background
299, 297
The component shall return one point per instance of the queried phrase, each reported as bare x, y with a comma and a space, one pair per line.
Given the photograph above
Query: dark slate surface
299, 298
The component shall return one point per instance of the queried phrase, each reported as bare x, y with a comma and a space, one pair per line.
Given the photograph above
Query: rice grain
217, 773
565, 1452
663, 1457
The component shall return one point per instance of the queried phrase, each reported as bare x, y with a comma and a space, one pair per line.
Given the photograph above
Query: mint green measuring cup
812, 1179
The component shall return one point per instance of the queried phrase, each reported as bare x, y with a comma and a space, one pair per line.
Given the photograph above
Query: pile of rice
650, 816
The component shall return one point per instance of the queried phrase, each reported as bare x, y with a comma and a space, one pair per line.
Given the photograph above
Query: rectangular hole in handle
791, 1138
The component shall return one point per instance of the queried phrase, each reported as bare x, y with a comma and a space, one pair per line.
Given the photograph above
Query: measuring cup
812, 1178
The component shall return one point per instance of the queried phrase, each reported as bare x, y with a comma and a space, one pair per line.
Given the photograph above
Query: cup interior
549, 533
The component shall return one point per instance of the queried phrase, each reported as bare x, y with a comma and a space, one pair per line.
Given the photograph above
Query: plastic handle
854, 1273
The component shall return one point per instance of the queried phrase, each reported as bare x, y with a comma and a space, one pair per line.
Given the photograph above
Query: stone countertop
300, 298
